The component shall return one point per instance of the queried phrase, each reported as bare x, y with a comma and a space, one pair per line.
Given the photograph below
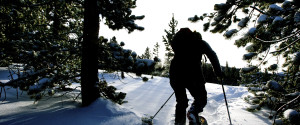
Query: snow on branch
287, 46
279, 40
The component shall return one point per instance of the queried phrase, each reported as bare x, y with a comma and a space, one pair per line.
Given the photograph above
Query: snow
219, 18
251, 31
292, 115
250, 47
149, 62
296, 59
194, 18
277, 19
249, 55
297, 17
286, 4
229, 33
243, 22
144, 99
273, 85
275, 7
262, 18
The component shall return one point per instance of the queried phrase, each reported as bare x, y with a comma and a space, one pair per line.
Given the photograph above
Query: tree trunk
89, 63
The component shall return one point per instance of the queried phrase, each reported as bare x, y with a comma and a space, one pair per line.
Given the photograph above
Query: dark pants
197, 90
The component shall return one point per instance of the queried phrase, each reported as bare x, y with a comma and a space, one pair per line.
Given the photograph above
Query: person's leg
199, 93
181, 105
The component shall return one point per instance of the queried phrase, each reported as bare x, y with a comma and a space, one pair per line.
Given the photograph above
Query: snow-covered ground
144, 99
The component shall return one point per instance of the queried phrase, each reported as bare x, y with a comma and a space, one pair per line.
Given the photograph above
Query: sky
158, 14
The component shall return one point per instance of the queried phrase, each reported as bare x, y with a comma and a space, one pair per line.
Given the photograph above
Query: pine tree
276, 22
156, 50
33, 33
147, 54
49, 38
89, 69
273, 25
167, 39
117, 16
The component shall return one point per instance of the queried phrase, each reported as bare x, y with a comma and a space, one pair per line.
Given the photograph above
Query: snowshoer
186, 73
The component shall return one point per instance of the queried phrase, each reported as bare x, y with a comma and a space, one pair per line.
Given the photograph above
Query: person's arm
213, 58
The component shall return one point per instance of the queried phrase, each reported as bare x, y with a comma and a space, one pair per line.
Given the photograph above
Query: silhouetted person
186, 72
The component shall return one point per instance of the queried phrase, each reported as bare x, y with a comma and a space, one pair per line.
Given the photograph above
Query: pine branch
286, 46
33, 5
278, 40
257, 9
264, 58
280, 109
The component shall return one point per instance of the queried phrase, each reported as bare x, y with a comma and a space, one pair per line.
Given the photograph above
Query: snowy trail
144, 99
147, 97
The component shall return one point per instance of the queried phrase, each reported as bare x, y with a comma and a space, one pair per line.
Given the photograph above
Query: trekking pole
163, 105
148, 121
226, 101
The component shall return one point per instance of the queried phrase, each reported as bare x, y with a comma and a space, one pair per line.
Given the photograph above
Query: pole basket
147, 120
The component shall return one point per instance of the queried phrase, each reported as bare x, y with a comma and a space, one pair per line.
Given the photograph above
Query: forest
49, 44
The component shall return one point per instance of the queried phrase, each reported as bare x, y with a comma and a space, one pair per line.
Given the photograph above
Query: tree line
56, 43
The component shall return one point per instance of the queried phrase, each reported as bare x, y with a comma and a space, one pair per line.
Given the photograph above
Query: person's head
185, 40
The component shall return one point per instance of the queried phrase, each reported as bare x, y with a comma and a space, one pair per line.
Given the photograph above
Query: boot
193, 116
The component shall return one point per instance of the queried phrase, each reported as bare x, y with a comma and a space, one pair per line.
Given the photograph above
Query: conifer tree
275, 22
270, 25
117, 15
156, 50
147, 54
43, 37
167, 39
49, 38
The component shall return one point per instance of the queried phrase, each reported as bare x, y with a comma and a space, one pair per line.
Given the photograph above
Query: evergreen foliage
147, 54
115, 58
156, 50
43, 38
273, 25
231, 75
52, 43
166, 40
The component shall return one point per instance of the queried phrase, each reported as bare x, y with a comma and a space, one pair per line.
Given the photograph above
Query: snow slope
144, 99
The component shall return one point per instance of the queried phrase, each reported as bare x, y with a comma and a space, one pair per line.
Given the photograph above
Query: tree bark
89, 63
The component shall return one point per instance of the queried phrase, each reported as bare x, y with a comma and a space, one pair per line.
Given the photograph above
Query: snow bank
102, 112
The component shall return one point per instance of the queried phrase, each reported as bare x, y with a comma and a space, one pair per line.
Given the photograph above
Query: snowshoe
194, 119
202, 120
